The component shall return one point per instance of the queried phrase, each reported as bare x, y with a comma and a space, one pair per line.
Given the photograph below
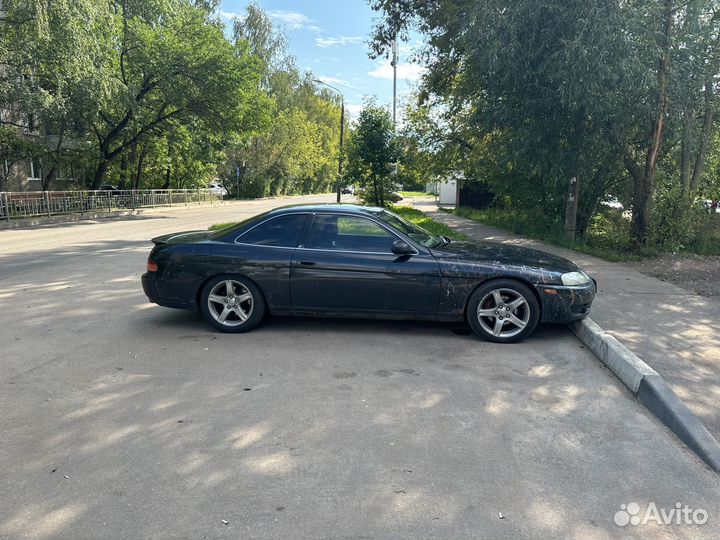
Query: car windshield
418, 234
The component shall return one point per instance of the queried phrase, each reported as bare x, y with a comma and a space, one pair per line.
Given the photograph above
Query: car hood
503, 254
186, 237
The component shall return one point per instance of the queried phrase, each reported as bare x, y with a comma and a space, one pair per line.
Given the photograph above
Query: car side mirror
401, 247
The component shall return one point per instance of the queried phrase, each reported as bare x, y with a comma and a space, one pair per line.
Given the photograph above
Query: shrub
677, 221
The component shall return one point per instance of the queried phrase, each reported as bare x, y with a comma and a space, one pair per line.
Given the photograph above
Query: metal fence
28, 204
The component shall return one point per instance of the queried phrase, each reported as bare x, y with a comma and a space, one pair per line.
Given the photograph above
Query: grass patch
607, 237
219, 226
416, 194
413, 215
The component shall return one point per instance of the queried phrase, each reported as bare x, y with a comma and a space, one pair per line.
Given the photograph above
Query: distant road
142, 226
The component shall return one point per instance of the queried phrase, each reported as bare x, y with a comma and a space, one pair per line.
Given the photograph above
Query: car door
263, 253
346, 264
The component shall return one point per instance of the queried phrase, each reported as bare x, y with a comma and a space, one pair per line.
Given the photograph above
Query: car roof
350, 209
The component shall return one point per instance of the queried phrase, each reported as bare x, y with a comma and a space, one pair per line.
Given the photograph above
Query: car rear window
282, 231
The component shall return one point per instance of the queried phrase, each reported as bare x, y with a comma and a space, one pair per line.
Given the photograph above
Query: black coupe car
353, 261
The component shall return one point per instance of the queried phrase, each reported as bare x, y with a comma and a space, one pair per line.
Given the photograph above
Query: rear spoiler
160, 240
180, 236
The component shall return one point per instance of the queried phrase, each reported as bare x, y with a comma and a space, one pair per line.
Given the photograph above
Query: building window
35, 171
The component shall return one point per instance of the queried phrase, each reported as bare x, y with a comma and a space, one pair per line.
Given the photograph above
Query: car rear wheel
232, 304
503, 311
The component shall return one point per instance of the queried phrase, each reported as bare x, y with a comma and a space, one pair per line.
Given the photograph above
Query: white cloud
333, 80
352, 111
408, 72
294, 20
339, 40
229, 15
322, 59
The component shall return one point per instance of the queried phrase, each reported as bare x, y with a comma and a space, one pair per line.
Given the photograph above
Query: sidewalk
675, 331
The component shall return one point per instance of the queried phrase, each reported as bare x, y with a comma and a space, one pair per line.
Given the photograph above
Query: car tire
232, 304
503, 311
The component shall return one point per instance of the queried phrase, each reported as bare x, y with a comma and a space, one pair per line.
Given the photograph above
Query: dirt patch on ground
697, 273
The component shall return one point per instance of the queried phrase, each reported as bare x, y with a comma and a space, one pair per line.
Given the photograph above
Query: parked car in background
348, 190
218, 189
353, 261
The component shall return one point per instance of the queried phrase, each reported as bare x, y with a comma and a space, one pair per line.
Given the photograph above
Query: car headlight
575, 278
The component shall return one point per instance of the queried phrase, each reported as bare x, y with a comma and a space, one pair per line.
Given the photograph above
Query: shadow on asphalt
189, 320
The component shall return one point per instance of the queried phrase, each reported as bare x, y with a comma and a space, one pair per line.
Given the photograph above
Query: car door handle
308, 263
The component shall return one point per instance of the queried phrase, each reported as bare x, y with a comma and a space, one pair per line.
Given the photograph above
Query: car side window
349, 233
282, 231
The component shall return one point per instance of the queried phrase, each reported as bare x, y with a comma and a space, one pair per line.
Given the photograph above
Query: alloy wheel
230, 303
503, 313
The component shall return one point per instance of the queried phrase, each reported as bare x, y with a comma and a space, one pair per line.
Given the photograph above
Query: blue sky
329, 37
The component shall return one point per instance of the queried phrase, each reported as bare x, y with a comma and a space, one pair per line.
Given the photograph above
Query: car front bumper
562, 304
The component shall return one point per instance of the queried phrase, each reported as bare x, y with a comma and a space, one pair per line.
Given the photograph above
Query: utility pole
338, 185
394, 65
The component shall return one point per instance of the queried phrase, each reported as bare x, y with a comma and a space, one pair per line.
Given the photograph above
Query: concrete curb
651, 390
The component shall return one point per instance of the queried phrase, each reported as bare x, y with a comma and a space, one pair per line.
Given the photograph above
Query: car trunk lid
182, 237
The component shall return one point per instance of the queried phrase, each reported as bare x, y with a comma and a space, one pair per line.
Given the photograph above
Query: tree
298, 152
53, 56
372, 153
534, 74
572, 89
182, 70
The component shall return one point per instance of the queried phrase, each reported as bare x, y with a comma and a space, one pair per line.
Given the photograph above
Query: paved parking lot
122, 420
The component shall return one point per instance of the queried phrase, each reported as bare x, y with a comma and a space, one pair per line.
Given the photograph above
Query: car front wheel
503, 311
232, 304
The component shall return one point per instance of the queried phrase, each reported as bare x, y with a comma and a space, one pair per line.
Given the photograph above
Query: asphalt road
121, 419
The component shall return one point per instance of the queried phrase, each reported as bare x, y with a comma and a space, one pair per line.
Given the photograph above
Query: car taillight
152, 266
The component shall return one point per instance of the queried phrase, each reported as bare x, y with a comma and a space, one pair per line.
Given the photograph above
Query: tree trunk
49, 178
571, 209
123, 171
52, 173
100, 173
707, 132
168, 177
685, 152
140, 168
645, 183
573, 198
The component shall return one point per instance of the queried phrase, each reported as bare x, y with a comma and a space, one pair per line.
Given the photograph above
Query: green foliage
298, 152
152, 94
372, 154
607, 236
677, 220
707, 240
522, 96
426, 222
